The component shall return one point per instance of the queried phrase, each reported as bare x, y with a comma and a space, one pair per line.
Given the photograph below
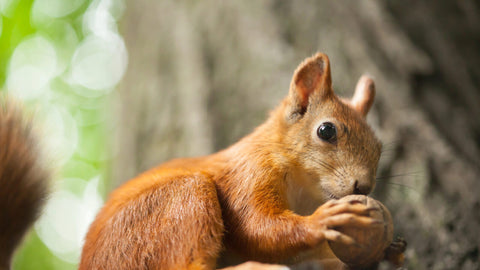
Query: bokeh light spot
61, 133
56, 8
65, 39
98, 20
32, 66
99, 62
67, 216
8, 6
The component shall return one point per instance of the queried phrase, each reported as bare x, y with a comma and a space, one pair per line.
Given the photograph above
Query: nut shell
371, 241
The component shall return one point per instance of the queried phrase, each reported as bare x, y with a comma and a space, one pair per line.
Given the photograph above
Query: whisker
396, 175
391, 146
342, 165
386, 150
400, 186
397, 184
394, 143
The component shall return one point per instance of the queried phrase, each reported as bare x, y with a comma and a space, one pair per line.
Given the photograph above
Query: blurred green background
63, 59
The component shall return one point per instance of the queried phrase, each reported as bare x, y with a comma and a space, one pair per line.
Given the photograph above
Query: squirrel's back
23, 180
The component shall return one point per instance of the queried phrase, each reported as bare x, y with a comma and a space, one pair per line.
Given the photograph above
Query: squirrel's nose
362, 188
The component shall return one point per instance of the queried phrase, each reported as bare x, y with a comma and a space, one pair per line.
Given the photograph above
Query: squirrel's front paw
345, 213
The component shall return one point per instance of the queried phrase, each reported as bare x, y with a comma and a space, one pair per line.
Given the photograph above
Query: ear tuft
364, 95
312, 75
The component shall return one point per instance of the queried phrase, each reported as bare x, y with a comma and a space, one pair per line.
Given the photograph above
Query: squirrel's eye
327, 132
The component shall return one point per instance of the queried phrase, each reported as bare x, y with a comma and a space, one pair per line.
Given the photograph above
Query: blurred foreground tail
23, 181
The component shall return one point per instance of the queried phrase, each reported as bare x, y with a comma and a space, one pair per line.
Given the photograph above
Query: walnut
371, 241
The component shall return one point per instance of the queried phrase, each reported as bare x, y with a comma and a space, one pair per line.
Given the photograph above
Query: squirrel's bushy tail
23, 180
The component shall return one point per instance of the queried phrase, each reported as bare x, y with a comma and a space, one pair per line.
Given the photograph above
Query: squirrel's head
334, 150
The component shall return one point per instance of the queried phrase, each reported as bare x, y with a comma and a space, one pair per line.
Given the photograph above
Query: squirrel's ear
311, 76
364, 95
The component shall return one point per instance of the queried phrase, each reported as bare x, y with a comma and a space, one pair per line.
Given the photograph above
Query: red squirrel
23, 179
270, 198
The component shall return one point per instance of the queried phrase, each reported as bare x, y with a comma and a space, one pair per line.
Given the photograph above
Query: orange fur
249, 199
